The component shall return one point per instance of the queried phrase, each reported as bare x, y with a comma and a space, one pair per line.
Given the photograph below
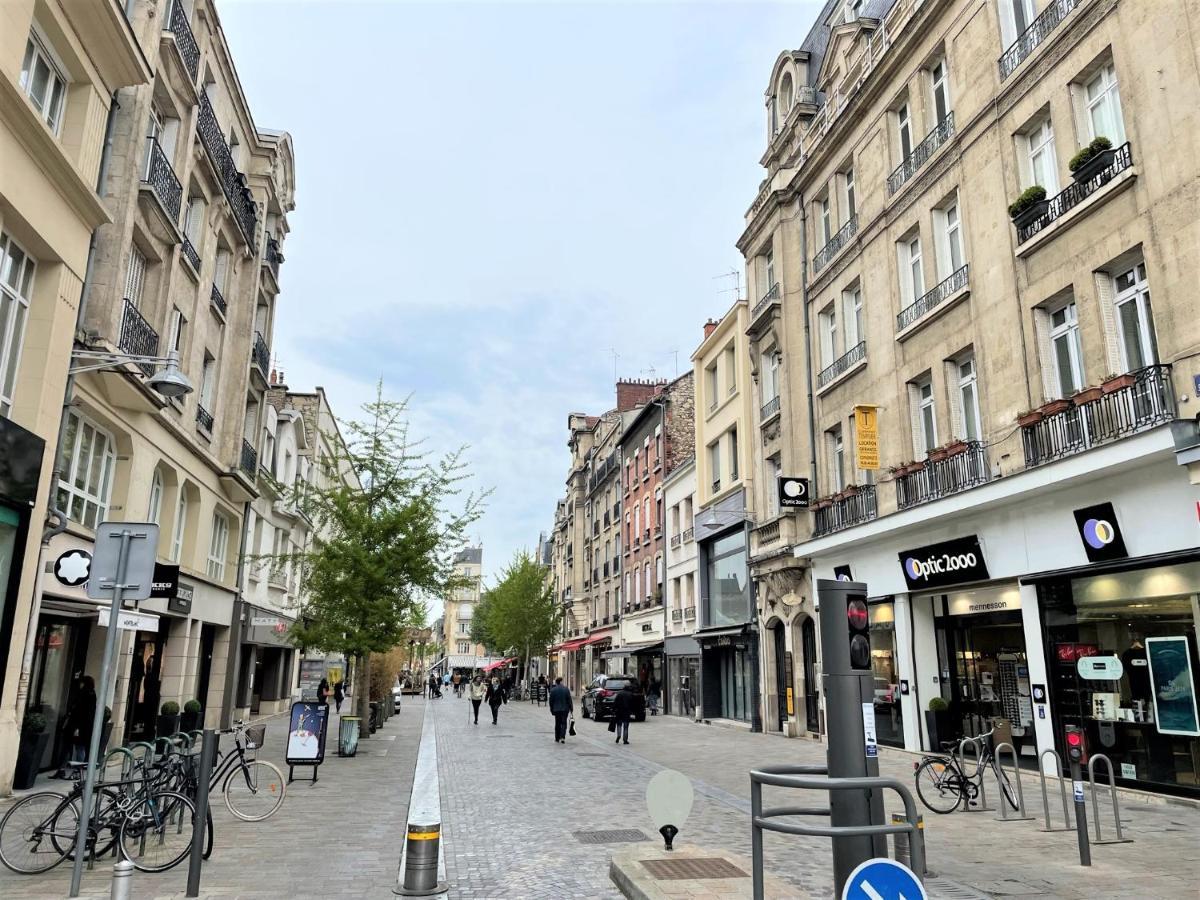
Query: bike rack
1062, 785
1112, 792
127, 763
817, 778
1022, 815
962, 765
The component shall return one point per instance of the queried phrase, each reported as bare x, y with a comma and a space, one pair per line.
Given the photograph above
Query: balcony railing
1147, 402
769, 409
204, 419
272, 257
768, 533
260, 355
1074, 194
851, 357
138, 338
768, 298
846, 511
1034, 35
921, 154
689, 612
676, 540
189, 252
677, 615
689, 534
185, 41
218, 300
930, 300
836, 243
233, 182
943, 477
162, 180
249, 460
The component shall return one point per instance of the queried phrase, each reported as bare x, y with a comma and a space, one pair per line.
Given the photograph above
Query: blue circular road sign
883, 879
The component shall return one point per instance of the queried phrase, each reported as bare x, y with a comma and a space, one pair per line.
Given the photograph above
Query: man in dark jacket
77, 724
624, 706
561, 705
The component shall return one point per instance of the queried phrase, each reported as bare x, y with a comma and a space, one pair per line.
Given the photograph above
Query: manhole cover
591, 754
615, 836
679, 869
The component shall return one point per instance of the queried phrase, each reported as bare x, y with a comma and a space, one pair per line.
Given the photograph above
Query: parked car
397, 693
598, 699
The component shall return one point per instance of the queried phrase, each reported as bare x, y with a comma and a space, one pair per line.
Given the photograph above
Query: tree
384, 536
519, 613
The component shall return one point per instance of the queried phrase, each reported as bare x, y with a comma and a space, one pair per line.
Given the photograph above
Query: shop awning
597, 639
711, 633
498, 664
617, 654
568, 646
656, 647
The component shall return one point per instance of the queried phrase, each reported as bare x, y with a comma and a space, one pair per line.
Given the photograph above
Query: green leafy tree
518, 614
384, 537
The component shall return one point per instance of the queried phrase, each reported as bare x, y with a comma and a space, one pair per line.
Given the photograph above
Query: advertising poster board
306, 735
311, 673
1173, 686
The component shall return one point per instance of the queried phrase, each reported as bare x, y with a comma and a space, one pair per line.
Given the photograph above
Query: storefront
885, 665
682, 691
268, 661
728, 667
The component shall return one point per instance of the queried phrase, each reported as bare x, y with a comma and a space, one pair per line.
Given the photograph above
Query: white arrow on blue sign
883, 879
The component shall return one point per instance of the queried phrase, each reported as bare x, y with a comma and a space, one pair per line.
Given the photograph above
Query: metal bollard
422, 866
1062, 786
1112, 792
122, 881
902, 843
1021, 816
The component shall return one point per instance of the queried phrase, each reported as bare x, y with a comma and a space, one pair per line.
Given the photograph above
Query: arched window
786, 93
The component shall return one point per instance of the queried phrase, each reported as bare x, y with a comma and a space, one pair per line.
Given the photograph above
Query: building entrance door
208, 636
781, 686
808, 637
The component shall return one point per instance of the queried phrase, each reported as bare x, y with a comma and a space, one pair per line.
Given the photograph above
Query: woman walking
339, 694
494, 697
475, 693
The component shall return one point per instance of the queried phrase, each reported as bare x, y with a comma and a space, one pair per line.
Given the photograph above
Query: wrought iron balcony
920, 155
676, 540
689, 612
190, 254
836, 243
1076, 192
233, 182
138, 338
260, 355
185, 41
843, 363
249, 460
1146, 399
845, 511
689, 534
272, 257
942, 477
930, 300
218, 300
771, 296
770, 408
1034, 35
204, 419
677, 615
162, 180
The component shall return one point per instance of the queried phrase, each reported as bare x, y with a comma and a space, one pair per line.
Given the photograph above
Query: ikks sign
950, 562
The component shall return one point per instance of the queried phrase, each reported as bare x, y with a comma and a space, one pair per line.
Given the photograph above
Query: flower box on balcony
1092, 159
1087, 395
1054, 407
823, 503
1032, 417
954, 448
937, 454
1117, 382
1029, 207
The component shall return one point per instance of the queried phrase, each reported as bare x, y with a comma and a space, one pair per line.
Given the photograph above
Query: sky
493, 198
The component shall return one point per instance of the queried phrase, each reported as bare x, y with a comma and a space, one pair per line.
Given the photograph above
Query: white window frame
771, 361
1012, 25
86, 481
180, 529
729, 355
154, 508
714, 464
853, 314
1040, 154
712, 384
926, 414
968, 398
1068, 333
829, 336
904, 130
769, 269
912, 273
848, 199
1106, 100
735, 470
218, 546
16, 294
939, 82
38, 49
1138, 294
950, 252
826, 216
208, 379
837, 459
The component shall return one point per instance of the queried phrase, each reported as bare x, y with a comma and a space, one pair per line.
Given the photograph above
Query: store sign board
182, 601
939, 565
866, 437
166, 581
793, 493
1173, 687
130, 621
969, 604
1100, 532
1100, 668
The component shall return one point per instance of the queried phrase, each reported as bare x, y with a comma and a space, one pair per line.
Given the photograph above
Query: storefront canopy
498, 664
568, 646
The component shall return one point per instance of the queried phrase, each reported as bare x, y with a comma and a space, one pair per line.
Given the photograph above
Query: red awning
568, 646
498, 665
597, 639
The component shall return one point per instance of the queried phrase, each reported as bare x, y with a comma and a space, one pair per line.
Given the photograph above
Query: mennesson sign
950, 562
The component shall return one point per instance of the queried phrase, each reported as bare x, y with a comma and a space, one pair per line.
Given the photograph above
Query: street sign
866, 436
265, 621
130, 621
883, 879
139, 566
793, 493
166, 581
73, 567
870, 737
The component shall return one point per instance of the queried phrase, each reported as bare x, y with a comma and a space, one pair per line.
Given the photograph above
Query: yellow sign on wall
791, 709
866, 437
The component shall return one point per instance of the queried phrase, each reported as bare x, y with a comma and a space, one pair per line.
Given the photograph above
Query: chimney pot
710, 326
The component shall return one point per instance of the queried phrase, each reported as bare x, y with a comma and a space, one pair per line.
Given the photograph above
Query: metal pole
122, 881
756, 840
208, 752
89, 781
1081, 831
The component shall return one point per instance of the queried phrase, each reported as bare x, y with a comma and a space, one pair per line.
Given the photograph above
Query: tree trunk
362, 693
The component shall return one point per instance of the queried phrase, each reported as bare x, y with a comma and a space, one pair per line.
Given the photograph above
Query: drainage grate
616, 836
492, 736
944, 889
591, 754
680, 869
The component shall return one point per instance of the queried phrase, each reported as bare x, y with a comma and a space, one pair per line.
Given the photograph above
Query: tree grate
687, 869
615, 836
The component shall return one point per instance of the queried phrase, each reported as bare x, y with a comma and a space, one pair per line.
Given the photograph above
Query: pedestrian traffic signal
845, 627
860, 633
1077, 750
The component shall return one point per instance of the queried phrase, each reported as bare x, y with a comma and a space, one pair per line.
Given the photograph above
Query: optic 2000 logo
1098, 533
946, 562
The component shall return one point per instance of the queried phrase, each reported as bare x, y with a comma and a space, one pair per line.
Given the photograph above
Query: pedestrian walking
339, 694
457, 679
561, 706
475, 693
495, 697
623, 709
323, 691
653, 695
77, 725
435, 687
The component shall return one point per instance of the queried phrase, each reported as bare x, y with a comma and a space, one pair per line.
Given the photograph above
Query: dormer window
786, 94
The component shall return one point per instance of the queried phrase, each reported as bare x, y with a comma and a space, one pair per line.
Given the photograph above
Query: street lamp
168, 380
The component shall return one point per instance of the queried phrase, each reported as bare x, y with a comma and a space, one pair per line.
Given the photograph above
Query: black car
598, 699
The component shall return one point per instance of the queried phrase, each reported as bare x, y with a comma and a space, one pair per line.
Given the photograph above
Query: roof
469, 555
816, 42
645, 409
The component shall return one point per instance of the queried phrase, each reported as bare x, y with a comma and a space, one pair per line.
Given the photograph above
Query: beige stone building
1031, 499
462, 652
60, 65
198, 195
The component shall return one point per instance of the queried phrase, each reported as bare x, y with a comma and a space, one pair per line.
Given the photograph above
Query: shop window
86, 471
885, 663
728, 582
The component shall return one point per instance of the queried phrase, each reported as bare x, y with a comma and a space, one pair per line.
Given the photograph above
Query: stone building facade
461, 651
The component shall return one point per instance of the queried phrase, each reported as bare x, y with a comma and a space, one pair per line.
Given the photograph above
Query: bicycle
943, 784
259, 792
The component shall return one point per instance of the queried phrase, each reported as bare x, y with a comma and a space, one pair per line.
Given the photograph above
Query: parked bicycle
253, 788
943, 782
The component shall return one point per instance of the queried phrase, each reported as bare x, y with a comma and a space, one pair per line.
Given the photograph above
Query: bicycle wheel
32, 831
254, 790
106, 820
938, 785
157, 832
1006, 787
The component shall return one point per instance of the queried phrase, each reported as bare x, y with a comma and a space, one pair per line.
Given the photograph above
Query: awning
597, 639
711, 633
682, 645
656, 647
499, 664
617, 654
568, 646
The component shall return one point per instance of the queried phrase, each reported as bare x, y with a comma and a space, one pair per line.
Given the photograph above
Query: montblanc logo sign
951, 562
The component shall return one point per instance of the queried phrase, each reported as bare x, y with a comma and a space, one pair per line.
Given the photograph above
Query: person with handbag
475, 693
495, 697
561, 706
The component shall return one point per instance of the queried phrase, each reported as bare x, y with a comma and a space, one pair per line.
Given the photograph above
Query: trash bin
348, 735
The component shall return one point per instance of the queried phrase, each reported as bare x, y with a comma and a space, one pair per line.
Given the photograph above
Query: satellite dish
669, 798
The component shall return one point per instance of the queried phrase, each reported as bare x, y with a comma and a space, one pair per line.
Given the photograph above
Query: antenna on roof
736, 290
615, 356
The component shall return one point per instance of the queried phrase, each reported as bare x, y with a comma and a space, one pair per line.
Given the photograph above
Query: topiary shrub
170, 708
192, 706
938, 704
1031, 195
1089, 152
33, 723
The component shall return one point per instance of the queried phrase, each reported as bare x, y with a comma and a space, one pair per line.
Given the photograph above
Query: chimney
635, 392
710, 326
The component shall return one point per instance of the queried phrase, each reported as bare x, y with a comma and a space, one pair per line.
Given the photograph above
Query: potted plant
937, 454
193, 716
168, 719
34, 738
1092, 159
1087, 395
939, 722
1030, 206
1054, 407
1114, 382
956, 447
823, 503
1030, 417
850, 490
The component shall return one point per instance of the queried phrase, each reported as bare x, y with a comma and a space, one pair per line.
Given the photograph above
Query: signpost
883, 879
793, 493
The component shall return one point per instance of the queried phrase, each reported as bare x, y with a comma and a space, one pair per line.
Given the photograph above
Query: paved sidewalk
337, 838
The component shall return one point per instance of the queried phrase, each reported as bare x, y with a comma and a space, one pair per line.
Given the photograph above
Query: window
733, 455
786, 93
85, 471
730, 369
637, 523
950, 251
208, 382
826, 220
912, 278
154, 512
769, 269
1015, 17
636, 596
646, 515
829, 336
854, 316
714, 464
218, 546
221, 272
968, 399
1135, 317
1104, 106
193, 219
464, 627
1043, 166
771, 362
181, 511
646, 579
16, 289
135, 278
837, 459
904, 126
926, 415
940, 82
710, 384
464, 646
848, 202
43, 82
771, 488
1068, 353
175, 331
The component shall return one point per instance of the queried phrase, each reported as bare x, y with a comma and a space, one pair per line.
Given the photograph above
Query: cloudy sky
493, 197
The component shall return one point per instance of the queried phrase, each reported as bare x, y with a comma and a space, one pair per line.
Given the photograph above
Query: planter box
1030, 418
166, 725
1054, 407
29, 758
942, 726
1087, 395
1095, 165
1116, 384
189, 721
937, 454
1031, 214
956, 448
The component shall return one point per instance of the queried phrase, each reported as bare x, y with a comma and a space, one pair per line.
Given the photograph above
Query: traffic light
1077, 750
859, 622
